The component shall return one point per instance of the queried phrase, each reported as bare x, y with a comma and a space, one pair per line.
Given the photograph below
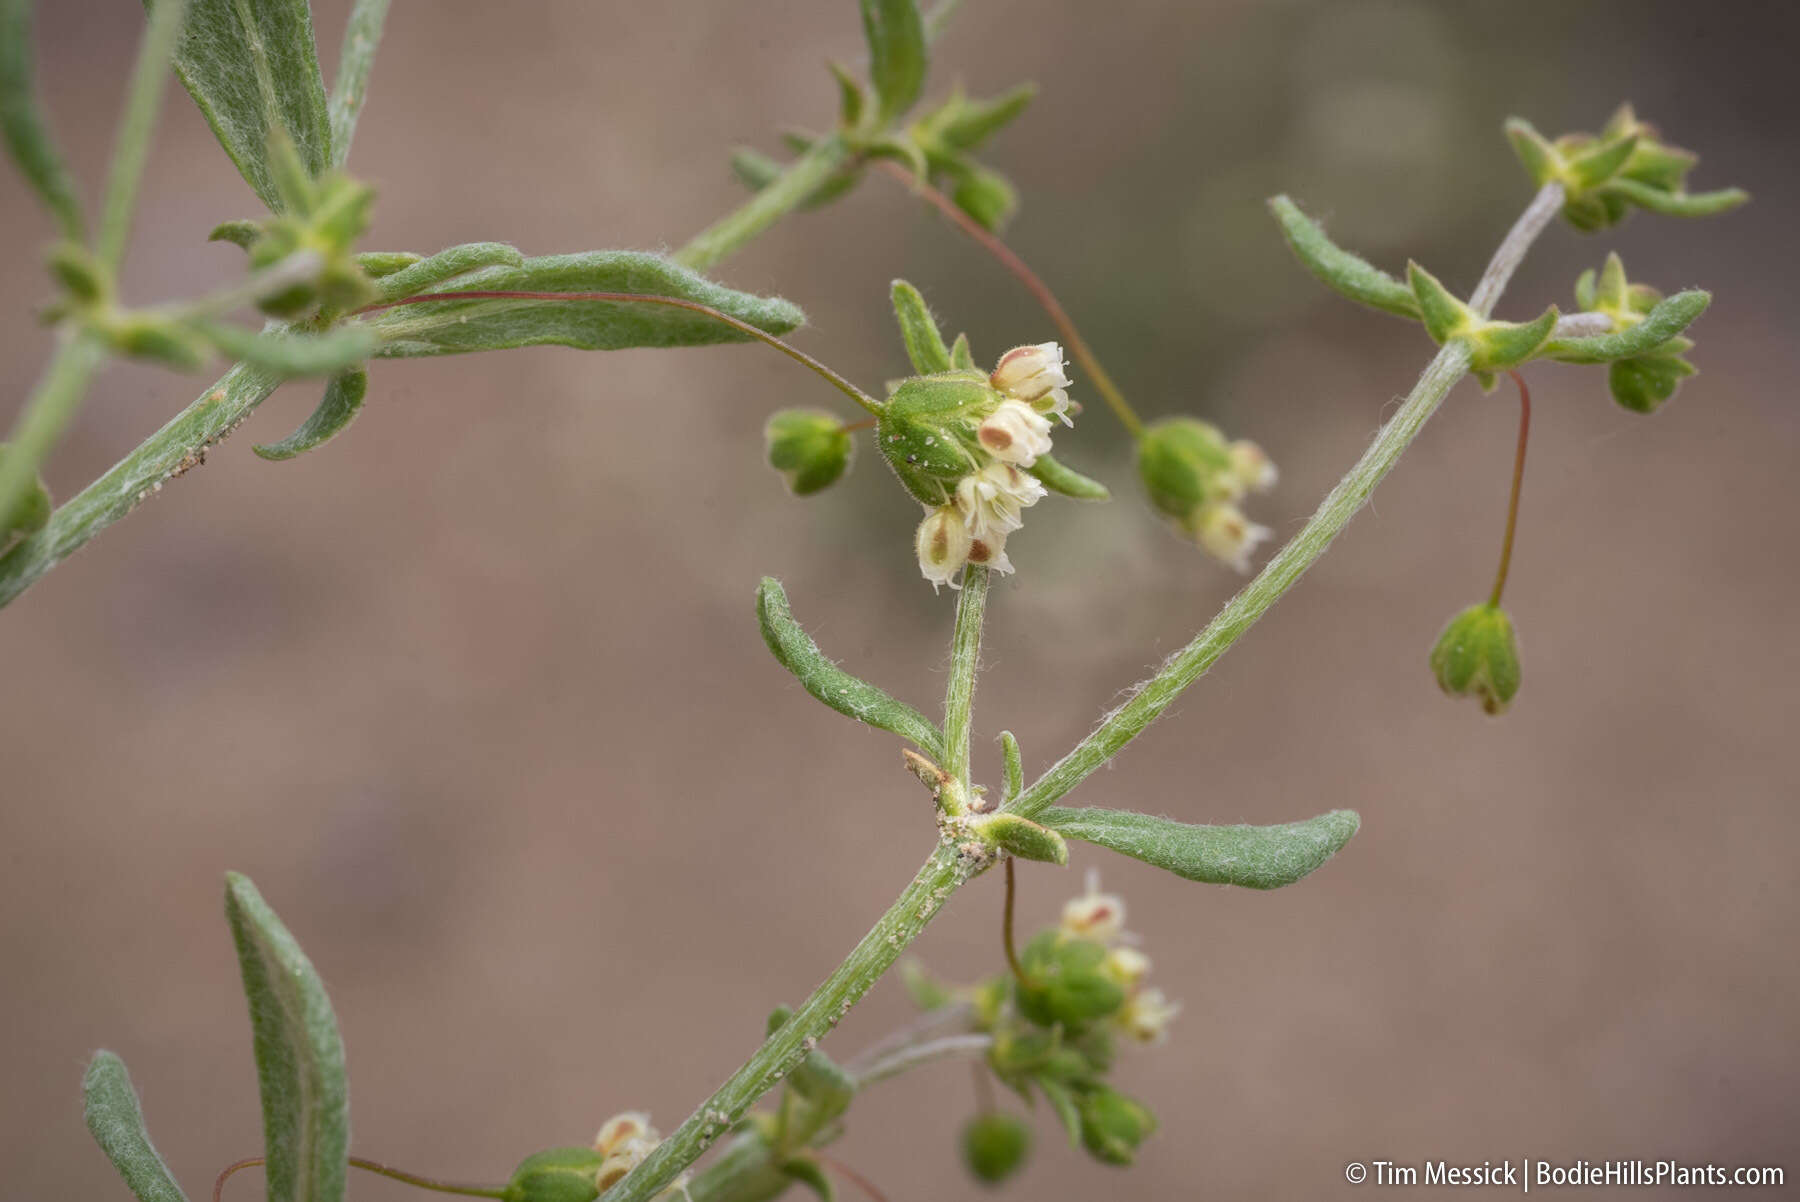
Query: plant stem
972, 1044
362, 34
965, 656
1156, 694
772, 202
41, 422
1006, 926
430, 1183
1518, 480
941, 875
143, 99
1059, 317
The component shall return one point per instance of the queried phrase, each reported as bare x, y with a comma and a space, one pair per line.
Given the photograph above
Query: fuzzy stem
143, 100
1059, 317
973, 1044
772, 202
1006, 926
1155, 695
965, 656
41, 422
1518, 480
362, 34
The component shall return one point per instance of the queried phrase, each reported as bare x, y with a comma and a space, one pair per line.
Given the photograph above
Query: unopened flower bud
1113, 1125
1252, 467
989, 551
1146, 1014
812, 449
1225, 533
1029, 372
994, 1146
1478, 656
1127, 966
556, 1175
1094, 915
943, 546
631, 1124
1015, 433
1184, 463
629, 1154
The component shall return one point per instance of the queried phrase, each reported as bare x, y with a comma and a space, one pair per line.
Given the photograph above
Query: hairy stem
1518, 481
911, 1057
771, 203
1156, 694
143, 100
362, 34
41, 422
965, 656
1059, 317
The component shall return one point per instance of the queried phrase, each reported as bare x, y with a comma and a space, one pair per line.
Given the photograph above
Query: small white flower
632, 1124
1146, 1015
1015, 433
1223, 531
1028, 372
1094, 915
1252, 466
1054, 403
629, 1154
943, 546
1127, 966
990, 552
992, 500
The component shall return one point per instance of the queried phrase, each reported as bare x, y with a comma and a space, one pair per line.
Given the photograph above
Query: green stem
965, 656
430, 1183
52, 404
941, 875
362, 34
771, 203
1156, 694
143, 100
1518, 481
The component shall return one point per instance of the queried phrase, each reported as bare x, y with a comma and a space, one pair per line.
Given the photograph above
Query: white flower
992, 500
1127, 966
1028, 372
632, 1124
1146, 1015
628, 1155
943, 546
1094, 915
1056, 404
1223, 531
990, 552
1015, 433
1252, 466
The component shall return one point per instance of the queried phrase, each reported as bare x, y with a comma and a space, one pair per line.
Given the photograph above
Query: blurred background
475, 693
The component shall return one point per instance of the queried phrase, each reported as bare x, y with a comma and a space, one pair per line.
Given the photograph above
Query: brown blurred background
475, 693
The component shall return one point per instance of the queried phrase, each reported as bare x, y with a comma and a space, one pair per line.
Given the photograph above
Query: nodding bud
556, 1175
1113, 1125
1194, 475
943, 545
1015, 433
994, 1146
1478, 656
1225, 533
1027, 373
1146, 1014
1094, 915
812, 449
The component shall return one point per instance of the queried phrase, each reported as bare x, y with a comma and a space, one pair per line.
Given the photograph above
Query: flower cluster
624, 1141
1098, 917
987, 503
1197, 477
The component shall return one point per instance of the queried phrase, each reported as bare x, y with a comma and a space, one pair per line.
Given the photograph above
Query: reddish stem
1518, 481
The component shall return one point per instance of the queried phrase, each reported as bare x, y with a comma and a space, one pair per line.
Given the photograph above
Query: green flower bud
994, 1146
1478, 656
1184, 464
809, 447
148, 337
556, 1175
1066, 982
1113, 1125
927, 432
76, 269
29, 515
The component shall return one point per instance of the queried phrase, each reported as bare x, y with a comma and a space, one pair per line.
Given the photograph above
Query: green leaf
1669, 318
1056, 476
964, 124
1594, 167
299, 1057
853, 698
807, 1172
985, 195
1643, 384
456, 326
1022, 837
851, 102
242, 232
427, 274
117, 1124
30, 513
809, 447
1354, 277
1063, 1103
1444, 315
924, 343
1015, 769
896, 37
1541, 160
754, 169
342, 401
289, 355
356, 58
1678, 204
252, 67
26, 131
1498, 345
961, 357
379, 264
1256, 857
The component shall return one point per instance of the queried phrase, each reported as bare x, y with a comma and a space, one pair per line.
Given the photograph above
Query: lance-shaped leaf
961, 357
356, 58
1022, 837
1256, 857
1444, 315
252, 67
964, 124
289, 355
806, 1171
1669, 318
924, 343
452, 327
1594, 167
426, 274
299, 1056
1015, 767
342, 401
379, 264
1498, 345
1337, 268
853, 698
1678, 204
27, 133
896, 36
1058, 477
117, 1124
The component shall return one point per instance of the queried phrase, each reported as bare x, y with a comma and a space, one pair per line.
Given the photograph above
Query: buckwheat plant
972, 436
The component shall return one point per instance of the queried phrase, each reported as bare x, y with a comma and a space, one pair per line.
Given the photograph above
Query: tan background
476, 696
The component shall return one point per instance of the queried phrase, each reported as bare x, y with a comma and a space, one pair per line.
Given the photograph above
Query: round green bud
1478, 656
1066, 983
812, 449
1185, 463
1113, 1125
994, 1146
556, 1175
927, 432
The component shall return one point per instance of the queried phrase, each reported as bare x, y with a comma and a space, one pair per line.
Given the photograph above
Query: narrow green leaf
1023, 838
362, 34
1058, 477
379, 264
1541, 161
853, 698
1678, 204
961, 357
1669, 318
252, 67
26, 131
1498, 345
456, 326
985, 195
971, 122
342, 401
1063, 1103
289, 355
1594, 167
427, 274
924, 343
807, 1172
1444, 315
117, 1124
1015, 770
1338, 269
896, 36
850, 97
242, 232
754, 169
299, 1056
1256, 857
